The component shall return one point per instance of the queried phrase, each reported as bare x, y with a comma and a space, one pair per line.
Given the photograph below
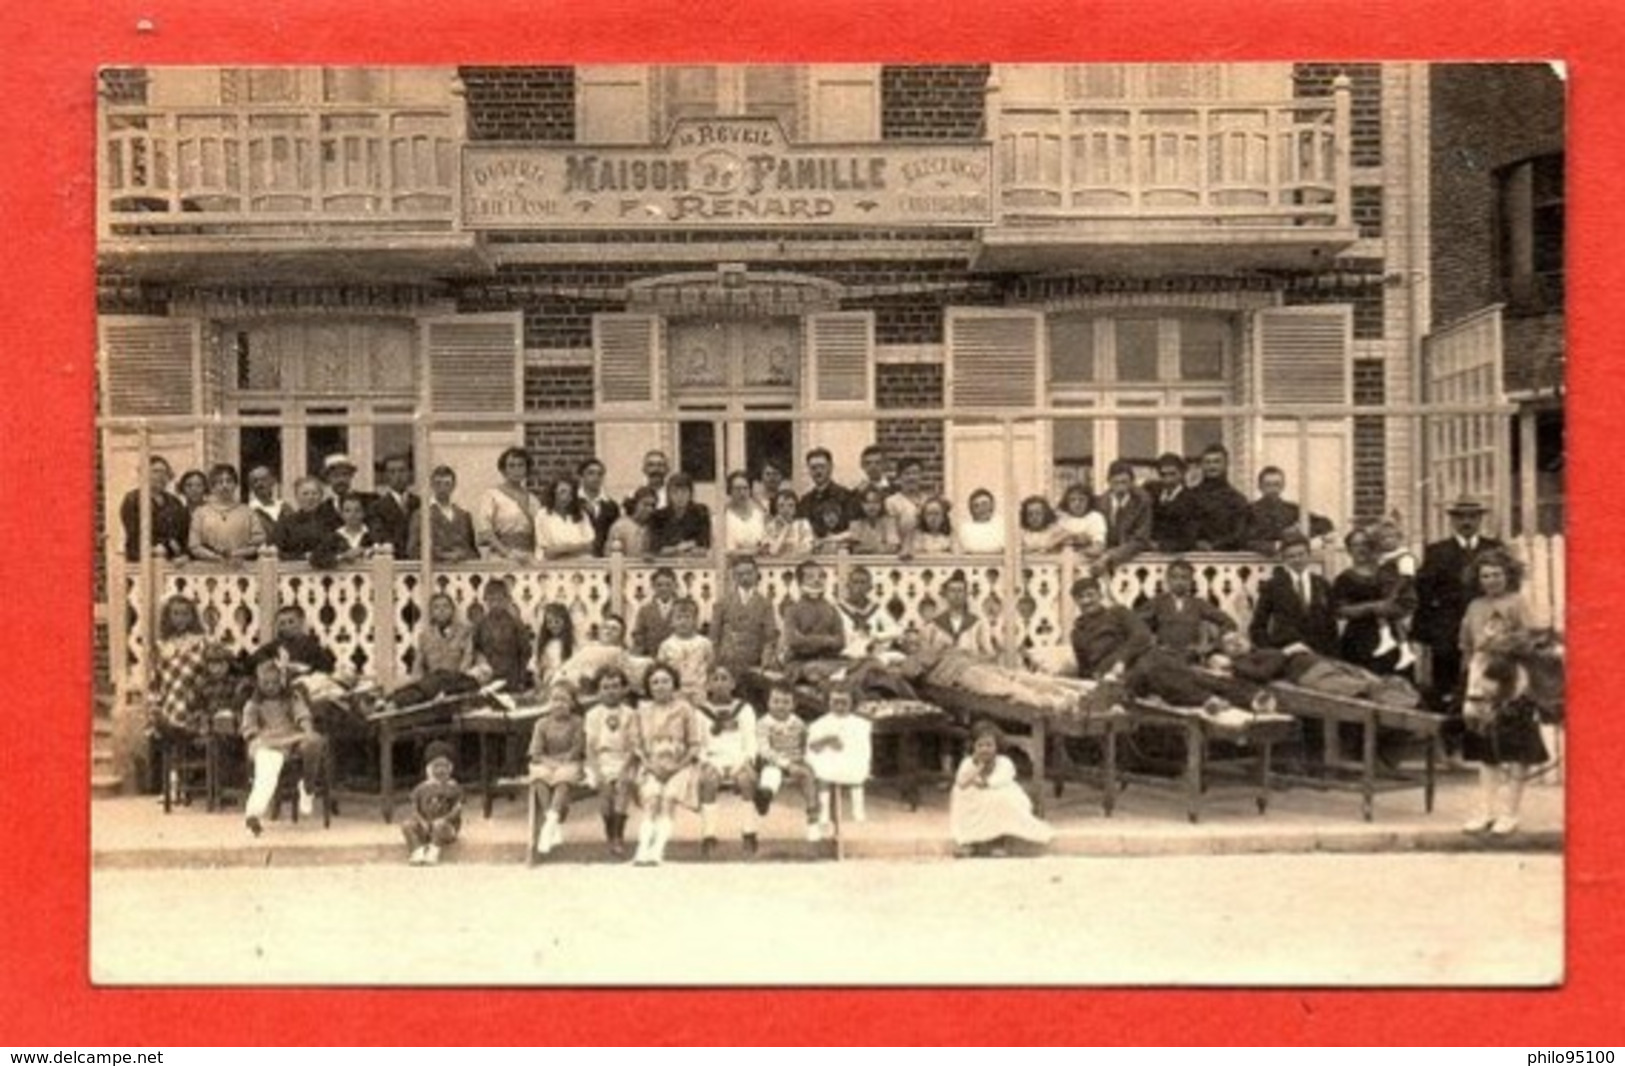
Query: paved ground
1273, 919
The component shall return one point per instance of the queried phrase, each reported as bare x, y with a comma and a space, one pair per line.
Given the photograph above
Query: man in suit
601, 511
268, 507
1127, 510
826, 505
1295, 605
1445, 583
1271, 517
1173, 511
390, 516
338, 474
1220, 507
744, 626
170, 521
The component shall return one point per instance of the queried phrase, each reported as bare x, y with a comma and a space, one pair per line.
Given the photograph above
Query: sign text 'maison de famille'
726, 172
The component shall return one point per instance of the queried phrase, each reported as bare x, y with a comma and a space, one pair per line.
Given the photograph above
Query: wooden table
1256, 733
434, 718
1371, 718
909, 721
488, 722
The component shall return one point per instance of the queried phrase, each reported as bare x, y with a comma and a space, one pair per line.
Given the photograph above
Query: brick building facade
1130, 275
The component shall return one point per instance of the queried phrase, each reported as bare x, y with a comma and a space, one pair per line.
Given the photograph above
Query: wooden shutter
612, 105
474, 364
844, 103
150, 366
840, 387
627, 379
1304, 355
841, 348
994, 358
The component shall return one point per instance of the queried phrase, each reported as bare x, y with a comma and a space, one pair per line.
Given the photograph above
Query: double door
734, 383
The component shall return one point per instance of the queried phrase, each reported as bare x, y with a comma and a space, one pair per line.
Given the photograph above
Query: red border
46, 364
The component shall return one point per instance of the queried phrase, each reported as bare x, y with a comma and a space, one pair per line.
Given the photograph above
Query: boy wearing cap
437, 807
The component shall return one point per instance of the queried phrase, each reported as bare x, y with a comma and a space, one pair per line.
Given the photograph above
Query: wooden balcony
264, 187
1153, 186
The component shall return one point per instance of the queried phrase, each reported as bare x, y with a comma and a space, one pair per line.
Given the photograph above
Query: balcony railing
270, 168
1175, 164
370, 614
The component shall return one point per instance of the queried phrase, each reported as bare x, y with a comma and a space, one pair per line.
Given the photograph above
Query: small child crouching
557, 750
611, 731
988, 805
437, 807
839, 750
729, 754
781, 741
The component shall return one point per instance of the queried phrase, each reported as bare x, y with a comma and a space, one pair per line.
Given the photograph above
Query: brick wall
1365, 201
912, 385
558, 449
941, 103
520, 103
1370, 440
124, 85
1483, 117
1365, 103
1533, 353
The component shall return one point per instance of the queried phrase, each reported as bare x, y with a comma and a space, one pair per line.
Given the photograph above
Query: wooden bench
1371, 718
1252, 735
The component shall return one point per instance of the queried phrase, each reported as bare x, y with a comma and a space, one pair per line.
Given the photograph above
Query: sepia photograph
967, 524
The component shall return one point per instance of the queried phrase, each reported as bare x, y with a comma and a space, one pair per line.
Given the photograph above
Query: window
708, 92
1140, 382
1530, 233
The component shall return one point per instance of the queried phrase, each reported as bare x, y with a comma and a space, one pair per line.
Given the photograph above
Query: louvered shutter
994, 358
1304, 356
840, 385
472, 364
627, 379
150, 366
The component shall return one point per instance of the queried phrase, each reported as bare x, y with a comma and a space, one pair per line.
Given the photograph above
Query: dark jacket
1128, 533
1221, 515
300, 533
606, 514
827, 510
390, 523
1173, 522
171, 524
668, 529
1281, 618
1445, 584
1268, 520
1107, 637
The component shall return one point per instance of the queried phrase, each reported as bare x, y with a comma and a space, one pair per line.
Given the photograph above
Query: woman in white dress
988, 805
1079, 525
744, 523
505, 517
563, 530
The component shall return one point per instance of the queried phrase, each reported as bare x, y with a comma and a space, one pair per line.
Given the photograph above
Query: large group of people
528, 518
682, 706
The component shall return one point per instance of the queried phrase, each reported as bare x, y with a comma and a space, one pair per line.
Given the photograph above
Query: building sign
726, 172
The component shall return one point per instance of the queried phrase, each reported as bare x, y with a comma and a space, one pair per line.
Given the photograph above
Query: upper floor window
641, 105
1033, 83
1530, 233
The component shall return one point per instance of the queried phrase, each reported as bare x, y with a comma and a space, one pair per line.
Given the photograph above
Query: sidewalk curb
1075, 845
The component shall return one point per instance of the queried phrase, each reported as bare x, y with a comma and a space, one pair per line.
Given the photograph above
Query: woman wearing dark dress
1366, 598
303, 529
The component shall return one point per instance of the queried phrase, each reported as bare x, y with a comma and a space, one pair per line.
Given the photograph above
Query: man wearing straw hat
1445, 584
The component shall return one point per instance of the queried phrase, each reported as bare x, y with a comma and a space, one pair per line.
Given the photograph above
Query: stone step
106, 785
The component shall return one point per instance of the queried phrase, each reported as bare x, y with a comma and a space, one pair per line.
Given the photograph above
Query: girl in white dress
744, 524
563, 530
839, 749
987, 804
983, 532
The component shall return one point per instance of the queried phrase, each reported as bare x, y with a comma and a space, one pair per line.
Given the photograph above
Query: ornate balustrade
187, 170
370, 614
